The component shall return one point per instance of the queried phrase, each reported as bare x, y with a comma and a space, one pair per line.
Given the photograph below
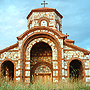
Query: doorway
75, 69
7, 70
41, 52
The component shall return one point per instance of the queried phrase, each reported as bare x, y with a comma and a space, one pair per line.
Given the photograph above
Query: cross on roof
67, 34
44, 3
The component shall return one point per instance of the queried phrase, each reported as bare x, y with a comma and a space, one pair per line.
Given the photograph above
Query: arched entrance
42, 73
40, 53
7, 70
75, 69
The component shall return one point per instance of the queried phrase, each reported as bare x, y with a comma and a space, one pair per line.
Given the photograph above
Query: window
44, 23
57, 26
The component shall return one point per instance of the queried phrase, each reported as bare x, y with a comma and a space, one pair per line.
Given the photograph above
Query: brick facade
44, 51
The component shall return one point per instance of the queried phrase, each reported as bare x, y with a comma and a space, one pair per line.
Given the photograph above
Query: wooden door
42, 77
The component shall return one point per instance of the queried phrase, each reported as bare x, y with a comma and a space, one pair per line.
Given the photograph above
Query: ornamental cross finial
67, 35
44, 3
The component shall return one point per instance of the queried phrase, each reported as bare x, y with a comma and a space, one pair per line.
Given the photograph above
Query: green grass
69, 85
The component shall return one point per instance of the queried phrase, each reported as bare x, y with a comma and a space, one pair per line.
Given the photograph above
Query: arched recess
41, 52
45, 19
58, 25
76, 69
43, 70
8, 69
30, 39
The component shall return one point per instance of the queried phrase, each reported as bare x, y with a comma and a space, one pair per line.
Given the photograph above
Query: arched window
57, 26
44, 23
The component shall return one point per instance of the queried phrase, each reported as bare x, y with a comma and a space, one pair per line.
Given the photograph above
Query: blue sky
76, 19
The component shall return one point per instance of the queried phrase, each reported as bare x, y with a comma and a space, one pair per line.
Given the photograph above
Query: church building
43, 52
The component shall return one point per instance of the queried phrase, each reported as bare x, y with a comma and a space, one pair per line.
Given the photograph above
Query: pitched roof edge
10, 47
86, 52
69, 41
45, 9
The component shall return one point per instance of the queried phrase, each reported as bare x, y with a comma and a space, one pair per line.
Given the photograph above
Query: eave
45, 9
86, 52
10, 47
41, 28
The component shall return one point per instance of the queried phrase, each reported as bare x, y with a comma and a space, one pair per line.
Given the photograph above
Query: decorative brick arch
51, 44
44, 18
41, 35
13, 64
83, 65
42, 63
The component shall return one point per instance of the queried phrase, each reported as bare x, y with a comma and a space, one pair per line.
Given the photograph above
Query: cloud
75, 18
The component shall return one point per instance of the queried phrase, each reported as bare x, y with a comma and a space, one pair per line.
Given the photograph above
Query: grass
69, 85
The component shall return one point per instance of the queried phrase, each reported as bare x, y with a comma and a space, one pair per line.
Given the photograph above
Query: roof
10, 47
70, 41
40, 28
44, 9
76, 47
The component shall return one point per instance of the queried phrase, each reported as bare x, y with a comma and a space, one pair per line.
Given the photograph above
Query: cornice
69, 41
41, 28
45, 9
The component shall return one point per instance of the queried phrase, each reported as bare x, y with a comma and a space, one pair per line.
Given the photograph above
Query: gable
74, 47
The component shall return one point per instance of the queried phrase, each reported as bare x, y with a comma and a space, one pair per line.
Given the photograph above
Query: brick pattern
11, 55
48, 41
69, 54
52, 19
47, 59
41, 52
43, 69
60, 61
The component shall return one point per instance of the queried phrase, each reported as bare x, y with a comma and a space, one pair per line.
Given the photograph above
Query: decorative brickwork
44, 52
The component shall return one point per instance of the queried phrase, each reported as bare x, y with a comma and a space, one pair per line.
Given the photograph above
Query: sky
76, 20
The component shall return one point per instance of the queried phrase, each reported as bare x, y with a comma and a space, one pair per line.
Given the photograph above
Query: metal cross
67, 35
44, 3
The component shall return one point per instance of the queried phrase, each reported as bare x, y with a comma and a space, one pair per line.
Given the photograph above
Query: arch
82, 68
44, 40
14, 67
37, 65
41, 35
58, 26
41, 29
43, 19
41, 63
44, 23
40, 51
